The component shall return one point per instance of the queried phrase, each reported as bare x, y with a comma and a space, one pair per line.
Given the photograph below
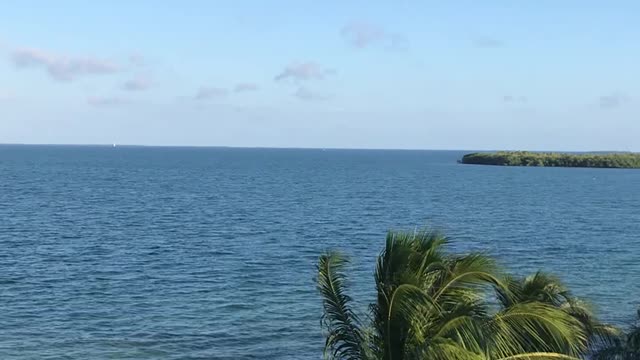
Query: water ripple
147, 253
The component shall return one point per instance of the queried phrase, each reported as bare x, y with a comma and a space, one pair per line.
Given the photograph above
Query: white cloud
304, 71
364, 34
514, 99
62, 68
612, 100
137, 60
306, 94
210, 93
138, 83
487, 42
243, 87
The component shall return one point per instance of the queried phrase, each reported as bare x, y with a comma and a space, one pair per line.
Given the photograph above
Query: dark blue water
176, 253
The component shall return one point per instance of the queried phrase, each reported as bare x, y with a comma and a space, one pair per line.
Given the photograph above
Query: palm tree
548, 289
434, 305
627, 346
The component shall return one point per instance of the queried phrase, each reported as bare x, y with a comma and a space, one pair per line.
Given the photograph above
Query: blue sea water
210, 253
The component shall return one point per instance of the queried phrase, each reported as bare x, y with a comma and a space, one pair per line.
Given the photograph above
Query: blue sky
538, 75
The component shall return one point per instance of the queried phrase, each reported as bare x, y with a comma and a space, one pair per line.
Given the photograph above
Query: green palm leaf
534, 327
345, 339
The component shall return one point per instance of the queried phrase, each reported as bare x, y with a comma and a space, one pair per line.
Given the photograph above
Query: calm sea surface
209, 253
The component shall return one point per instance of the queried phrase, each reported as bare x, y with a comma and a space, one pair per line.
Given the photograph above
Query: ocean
210, 253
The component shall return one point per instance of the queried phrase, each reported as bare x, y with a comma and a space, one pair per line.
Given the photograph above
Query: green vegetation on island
526, 158
433, 304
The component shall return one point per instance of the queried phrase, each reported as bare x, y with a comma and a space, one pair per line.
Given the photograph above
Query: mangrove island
527, 158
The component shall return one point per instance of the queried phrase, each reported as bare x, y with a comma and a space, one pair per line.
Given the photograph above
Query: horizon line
111, 145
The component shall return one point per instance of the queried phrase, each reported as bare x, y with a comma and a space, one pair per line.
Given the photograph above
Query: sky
482, 75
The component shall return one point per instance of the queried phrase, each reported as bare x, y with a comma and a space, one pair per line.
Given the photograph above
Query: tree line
526, 158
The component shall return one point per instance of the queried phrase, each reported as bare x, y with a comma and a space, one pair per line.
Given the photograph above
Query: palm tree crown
435, 305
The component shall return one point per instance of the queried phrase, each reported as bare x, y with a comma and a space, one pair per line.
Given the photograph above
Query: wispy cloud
364, 34
306, 94
304, 71
138, 83
488, 43
210, 93
361, 34
612, 100
244, 87
398, 42
137, 60
62, 68
512, 99
106, 101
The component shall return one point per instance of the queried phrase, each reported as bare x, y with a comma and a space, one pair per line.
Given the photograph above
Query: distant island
527, 158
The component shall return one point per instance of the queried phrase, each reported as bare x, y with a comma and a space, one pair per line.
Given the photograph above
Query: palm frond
463, 325
535, 327
600, 335
466, 273
539, 356
545, 288
345, 339
510, 292
445, 349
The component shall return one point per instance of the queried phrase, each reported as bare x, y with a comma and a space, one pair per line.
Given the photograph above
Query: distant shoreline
618, 160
